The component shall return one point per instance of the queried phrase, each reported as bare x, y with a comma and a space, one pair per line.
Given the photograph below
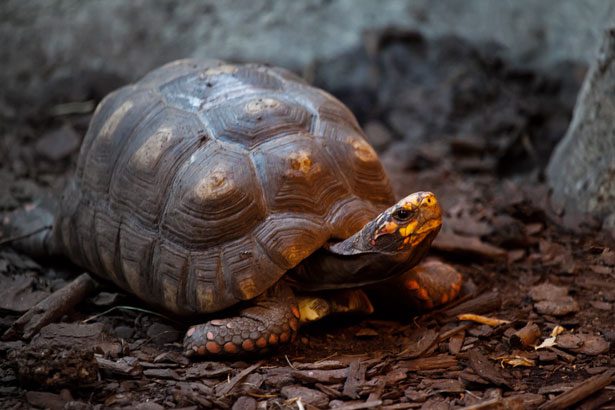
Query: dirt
445, 116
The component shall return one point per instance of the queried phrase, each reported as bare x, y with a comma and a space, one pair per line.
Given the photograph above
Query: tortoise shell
203, 183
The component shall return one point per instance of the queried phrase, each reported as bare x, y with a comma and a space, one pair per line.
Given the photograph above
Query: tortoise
241, 192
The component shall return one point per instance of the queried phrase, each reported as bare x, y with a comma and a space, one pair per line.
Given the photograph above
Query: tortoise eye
402, 214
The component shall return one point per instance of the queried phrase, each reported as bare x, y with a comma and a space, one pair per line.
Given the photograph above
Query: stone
581, 171
58, 144
42, 43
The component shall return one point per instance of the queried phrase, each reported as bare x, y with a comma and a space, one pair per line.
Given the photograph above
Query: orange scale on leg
423, 294
261, 342
201, 350
295, 311
230, 347
248, 345
284, 337
294, 324
273, 339
412, 284
213, 347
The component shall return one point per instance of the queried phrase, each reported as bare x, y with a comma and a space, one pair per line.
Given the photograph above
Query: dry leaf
548, 342
557, 330
493, 322
514, 361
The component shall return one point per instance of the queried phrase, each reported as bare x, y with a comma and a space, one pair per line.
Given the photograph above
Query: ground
445, 116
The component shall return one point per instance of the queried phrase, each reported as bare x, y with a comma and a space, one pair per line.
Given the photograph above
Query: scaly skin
272, 321
430, 284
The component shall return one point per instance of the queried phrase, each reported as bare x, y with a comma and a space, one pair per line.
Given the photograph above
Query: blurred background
503, 108
494, 82
47, 39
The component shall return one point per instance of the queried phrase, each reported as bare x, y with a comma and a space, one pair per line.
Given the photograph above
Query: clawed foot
274, 320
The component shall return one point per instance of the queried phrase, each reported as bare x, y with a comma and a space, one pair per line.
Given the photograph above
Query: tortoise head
388, 245
406, 225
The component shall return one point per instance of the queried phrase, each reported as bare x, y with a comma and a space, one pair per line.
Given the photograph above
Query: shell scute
256, 118
214, 198
298, 175
151, 160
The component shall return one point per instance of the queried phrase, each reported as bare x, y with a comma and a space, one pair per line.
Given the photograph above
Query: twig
484, 303
126, 307
289, 363
442, 337
51, 308
359, 406
224, 389
580, 391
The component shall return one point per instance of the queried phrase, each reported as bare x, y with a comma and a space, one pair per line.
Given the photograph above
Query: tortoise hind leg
29, 228
273, 320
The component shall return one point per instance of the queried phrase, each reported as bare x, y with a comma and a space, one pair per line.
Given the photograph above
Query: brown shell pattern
200, 185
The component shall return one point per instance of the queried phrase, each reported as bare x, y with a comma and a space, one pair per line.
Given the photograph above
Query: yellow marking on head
417, 199
405, 231
430, 225
388, 228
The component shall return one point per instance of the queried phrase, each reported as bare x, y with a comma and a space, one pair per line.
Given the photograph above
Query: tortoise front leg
427, 285
273, 320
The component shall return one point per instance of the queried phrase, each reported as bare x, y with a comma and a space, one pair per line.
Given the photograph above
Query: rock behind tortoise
203, 183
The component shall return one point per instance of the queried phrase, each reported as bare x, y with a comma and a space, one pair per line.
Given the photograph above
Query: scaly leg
273, 320
423, 287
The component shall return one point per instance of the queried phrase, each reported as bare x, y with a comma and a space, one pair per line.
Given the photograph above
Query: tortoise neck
357, 244
353, 263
